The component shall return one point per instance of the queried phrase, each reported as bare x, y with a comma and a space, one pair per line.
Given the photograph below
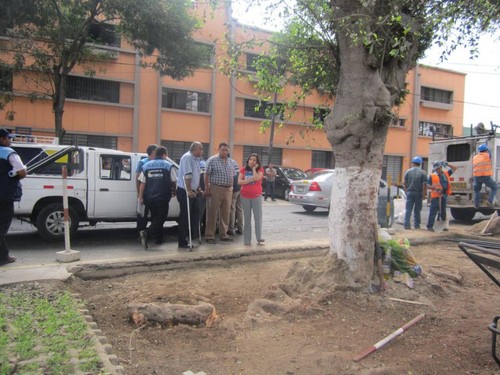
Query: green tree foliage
361, 51
50, 37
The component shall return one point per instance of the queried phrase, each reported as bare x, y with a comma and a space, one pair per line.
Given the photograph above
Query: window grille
100, 90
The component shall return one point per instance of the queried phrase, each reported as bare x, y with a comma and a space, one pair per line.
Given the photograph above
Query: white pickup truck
101, 186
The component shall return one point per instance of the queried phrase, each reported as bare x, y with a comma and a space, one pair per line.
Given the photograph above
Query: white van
101, 186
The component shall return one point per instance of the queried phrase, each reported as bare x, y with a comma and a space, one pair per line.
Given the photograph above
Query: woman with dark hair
250, 179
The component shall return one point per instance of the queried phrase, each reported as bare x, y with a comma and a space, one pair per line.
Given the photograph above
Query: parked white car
101, 186
316, 192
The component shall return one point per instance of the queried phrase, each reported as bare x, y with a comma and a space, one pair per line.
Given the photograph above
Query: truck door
115, 189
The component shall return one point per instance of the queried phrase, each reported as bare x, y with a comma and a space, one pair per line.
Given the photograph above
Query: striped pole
67, 245
388, 339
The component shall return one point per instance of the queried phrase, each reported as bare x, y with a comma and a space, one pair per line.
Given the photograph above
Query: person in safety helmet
482, 171
440, 186
415, 183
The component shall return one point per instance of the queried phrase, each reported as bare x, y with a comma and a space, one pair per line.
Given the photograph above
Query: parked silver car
316, 192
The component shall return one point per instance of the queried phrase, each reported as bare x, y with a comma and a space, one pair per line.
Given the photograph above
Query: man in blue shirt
142, 220
157, 187
12, 170
188, 188
440, 186
416, 190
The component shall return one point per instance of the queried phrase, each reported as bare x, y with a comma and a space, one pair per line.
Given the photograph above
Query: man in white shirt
12, 170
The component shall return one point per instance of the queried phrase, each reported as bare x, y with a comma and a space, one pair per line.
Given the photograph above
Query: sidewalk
12, 273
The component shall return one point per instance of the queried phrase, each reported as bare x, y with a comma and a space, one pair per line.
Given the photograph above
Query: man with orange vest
482, 172
440, 186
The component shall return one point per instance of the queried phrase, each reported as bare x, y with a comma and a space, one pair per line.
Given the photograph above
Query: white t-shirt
16, 162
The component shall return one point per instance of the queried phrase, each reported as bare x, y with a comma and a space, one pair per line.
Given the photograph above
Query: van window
460, 152
114, 167
31, 155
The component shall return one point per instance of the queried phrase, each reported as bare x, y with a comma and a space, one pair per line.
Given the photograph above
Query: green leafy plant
44, 332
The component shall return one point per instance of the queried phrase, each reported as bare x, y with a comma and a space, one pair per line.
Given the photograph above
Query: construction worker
440, 186
416, 189
482, 172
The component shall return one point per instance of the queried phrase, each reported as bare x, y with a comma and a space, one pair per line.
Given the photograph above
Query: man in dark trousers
416, 191
12, 170
188, 186
158, 182
142, 220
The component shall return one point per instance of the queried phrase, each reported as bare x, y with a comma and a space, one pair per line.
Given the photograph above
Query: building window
432, 129
261, 109
322, 159
207, 52
176, 149
90, 140
99, 90
251, 60
392, 166
436, 95
104, 33
263, 153
186, 100
6, 79
320, 114
398, 122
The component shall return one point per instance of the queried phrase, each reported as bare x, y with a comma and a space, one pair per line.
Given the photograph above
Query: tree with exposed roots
360, 51
46, 39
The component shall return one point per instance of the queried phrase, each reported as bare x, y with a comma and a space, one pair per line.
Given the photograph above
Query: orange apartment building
127, 107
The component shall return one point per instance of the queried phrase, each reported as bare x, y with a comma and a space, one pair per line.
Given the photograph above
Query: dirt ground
288, 316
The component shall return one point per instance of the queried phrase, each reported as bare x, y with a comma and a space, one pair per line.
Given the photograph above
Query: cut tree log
167, 314
456, 277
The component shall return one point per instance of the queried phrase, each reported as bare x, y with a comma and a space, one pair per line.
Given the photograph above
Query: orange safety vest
437, 184
481, 165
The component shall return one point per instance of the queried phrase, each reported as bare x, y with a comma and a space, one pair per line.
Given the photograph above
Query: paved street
283, 223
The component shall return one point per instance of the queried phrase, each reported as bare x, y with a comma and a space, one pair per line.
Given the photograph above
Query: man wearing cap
12, 170
416, 189
440, 185
482, 172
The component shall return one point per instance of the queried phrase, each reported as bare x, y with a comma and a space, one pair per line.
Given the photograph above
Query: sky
482, 81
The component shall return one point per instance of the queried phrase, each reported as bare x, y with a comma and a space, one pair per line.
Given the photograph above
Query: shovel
440, 224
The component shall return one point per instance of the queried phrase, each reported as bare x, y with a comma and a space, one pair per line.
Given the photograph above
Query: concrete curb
204, 254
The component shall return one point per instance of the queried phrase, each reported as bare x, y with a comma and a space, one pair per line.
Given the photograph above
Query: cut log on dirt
167, 314
455, 276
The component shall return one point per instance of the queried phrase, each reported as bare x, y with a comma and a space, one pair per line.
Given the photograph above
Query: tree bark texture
368, 88
167, 314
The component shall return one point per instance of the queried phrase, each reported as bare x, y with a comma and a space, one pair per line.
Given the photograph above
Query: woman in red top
250, 179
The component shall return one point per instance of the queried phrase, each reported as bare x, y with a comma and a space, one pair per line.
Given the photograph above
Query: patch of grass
89, 360
43, 332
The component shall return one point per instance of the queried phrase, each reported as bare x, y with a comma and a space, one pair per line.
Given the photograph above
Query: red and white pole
67, 244
388, 339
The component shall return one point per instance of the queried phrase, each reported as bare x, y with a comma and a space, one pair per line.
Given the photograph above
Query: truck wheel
50, 222
463, 214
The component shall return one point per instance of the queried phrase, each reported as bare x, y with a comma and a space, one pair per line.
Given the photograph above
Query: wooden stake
388, 339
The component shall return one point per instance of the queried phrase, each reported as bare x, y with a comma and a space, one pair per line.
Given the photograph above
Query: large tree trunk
369, 87
357, 130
